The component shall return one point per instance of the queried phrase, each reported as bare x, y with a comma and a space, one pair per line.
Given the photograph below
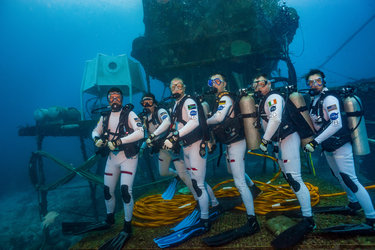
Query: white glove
263, 146
310, 147
98, 142
111, 146
149, 140
167, 144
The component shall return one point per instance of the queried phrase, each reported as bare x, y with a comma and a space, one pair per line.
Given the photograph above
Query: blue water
44, 44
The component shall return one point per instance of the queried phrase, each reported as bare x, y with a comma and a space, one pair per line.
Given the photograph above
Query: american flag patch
192, 106
271, 103
332, 107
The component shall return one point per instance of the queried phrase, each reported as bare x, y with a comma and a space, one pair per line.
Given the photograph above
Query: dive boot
119, 240
251, 227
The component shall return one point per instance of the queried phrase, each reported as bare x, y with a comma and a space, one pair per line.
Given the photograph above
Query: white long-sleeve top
273, 108
113, 121
331, 113
190, 115
164, 120
224, 107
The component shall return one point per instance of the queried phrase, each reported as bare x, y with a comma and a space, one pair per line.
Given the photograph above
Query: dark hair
114, 89
315, 72
262, 74
149, 95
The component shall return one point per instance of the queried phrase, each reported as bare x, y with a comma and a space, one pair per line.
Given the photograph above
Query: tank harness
342, 136
286, 126
200, 132
123, 129
230, 130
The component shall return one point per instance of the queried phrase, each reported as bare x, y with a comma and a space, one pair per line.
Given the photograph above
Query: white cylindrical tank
356, 124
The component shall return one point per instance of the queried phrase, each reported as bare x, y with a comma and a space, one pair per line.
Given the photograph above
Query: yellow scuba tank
298, 100
248, 111
356, 124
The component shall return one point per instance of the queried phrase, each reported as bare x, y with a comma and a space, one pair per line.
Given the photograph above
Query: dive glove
98, 142
171, 140
114, 144
263, 145
310, 147
149, 140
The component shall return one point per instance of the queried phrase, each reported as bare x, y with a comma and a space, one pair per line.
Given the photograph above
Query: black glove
149, 140
310, 147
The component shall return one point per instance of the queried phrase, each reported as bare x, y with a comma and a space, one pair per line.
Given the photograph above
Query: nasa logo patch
334, 116
164, 117
139, 124
273, 108
193, 112
220, 108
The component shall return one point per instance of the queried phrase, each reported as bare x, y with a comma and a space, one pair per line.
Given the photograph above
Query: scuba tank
249, 117
299, 102
356, 122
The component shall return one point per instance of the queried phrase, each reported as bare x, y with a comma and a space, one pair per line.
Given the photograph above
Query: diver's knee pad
126, 197
107, 194
196, 188
349, 182
293, 183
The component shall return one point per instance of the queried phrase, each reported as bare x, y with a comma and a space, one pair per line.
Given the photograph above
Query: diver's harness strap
123, 129
286, 127
195, 135
230, 130
342, 136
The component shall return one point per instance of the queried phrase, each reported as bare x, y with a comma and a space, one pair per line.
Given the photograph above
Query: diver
227, 125
120, 130
283, 135
157, 122
188, 128
326, 112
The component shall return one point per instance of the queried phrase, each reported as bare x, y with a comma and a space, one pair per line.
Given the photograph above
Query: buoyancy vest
342, 136
123, 129
230, 130
200, 132
286, 126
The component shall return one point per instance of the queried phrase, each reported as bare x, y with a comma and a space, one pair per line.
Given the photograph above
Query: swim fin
76, 228
295, 234
343, 210
171, 190
349, 229
117, 242
251, 227
189, 220
184, 234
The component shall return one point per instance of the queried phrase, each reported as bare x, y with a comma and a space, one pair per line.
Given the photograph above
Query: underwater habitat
187, 124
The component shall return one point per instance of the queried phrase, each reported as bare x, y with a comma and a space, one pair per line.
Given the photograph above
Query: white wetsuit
341, 160
165, 157
195, 164
289, 151
235, 154
118, 163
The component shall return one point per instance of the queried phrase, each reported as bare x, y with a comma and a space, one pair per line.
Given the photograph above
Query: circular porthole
112, 66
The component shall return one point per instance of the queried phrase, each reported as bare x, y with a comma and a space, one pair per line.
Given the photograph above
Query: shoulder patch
222, 102
163, 113
271, 103
164, 117
273, 108
192, 106
331, 107
139, 124
193, 113
137, 119
334, 116
220, 108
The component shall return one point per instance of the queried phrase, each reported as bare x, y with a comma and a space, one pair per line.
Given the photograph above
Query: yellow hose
154, 211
